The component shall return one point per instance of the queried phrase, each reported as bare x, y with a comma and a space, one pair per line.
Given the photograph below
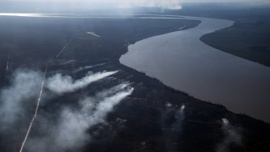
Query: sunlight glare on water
21, 14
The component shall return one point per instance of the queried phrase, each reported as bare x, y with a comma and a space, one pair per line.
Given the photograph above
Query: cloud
64, 84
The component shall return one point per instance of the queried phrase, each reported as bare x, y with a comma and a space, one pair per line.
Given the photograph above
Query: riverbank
248, 38
181, 61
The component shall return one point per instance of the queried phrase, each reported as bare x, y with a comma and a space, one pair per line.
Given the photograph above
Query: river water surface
182, 61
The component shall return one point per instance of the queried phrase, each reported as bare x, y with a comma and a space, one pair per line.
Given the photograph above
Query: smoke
232, 136
7, 65
87, 67
179, 117
112, 91
165, 4
64, 84
99, 4
109, 102
93, 34
36, 111
20, 95
63, 130
70, 132
175, 126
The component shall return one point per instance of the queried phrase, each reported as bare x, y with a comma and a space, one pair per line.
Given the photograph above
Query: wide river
181, 61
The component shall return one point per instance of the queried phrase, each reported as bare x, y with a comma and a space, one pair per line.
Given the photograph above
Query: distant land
247, 38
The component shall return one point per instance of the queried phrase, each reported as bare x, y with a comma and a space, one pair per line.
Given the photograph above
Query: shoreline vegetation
248, 38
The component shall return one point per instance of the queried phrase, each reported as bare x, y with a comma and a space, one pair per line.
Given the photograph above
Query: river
181, 61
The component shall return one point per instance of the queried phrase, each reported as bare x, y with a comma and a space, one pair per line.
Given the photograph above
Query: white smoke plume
36, 111
64, 84
165, 4
179, 117
174, 133
54, 133
21, 94
87, 67
112, 91
232, 136
70, 131
7, 65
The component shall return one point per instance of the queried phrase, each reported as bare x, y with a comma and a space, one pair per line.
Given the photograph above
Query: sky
143, 0
140, 1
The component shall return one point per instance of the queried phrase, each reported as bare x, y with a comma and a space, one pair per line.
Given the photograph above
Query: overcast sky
97, 4
140, 1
